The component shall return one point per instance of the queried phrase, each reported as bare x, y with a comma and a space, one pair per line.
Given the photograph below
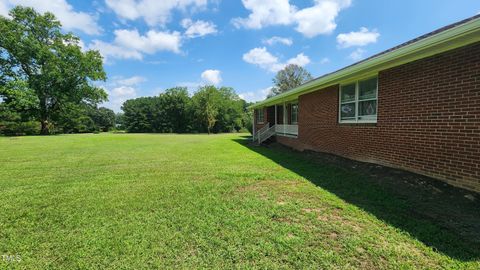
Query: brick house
415, 107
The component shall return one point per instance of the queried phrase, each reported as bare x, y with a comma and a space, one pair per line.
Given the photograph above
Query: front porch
276, 120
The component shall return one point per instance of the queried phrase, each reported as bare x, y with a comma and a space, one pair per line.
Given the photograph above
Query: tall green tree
119, 121
166, 113
206, 107
177, 105
247, 116
17, 106
74, 118
139, 114
288, 78
34, 50
230, 111
103, 118
210, 109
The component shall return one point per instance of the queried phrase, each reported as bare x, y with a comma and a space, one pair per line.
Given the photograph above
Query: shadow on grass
436, 214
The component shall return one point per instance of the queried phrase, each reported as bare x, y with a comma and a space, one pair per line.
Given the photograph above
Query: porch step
266, 143
269, 141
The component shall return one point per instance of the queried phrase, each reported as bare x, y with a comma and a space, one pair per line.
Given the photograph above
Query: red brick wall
291, 142
260, 125
428, 120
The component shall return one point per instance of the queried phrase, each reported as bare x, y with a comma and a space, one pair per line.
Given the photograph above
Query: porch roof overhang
447, 38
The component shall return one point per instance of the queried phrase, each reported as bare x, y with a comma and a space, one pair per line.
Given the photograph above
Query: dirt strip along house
414, 107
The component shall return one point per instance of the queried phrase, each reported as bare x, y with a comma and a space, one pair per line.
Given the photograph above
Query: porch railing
266, 132
287, 130
269, 132
260, 131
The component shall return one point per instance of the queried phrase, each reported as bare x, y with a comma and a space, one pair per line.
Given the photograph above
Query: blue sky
152, 45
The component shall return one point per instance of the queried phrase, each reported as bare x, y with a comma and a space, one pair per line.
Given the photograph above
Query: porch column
275, 114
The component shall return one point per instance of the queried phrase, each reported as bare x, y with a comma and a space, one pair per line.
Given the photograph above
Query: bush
245, 130
21, 128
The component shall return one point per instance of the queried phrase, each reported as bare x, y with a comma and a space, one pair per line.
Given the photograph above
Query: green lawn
131, 201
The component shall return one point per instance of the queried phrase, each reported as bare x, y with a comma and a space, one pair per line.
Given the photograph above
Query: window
294, 114
358, 102
260, 116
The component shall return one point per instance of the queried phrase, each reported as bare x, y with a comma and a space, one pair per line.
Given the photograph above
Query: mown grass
132, 201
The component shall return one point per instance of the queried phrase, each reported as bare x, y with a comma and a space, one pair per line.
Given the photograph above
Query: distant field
136, 201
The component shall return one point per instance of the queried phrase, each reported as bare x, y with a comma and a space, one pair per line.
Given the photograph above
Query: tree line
209, 110
47, 86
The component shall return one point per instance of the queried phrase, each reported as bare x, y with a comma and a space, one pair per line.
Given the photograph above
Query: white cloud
358, 54
124, 91
360, 38
108, 51
264, 59
118, 95
253, 96
153, 12
211, 76
82, 45
120, 89
198, 28
3, 8
311, 21
299, 60
208, 77
129, 44
265, 13
274, 40
132, 80
319, 19
70, 19
150, 43
325, 60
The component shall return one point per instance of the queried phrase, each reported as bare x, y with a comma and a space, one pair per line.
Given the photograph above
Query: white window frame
291, 113
258, 116
357, 101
